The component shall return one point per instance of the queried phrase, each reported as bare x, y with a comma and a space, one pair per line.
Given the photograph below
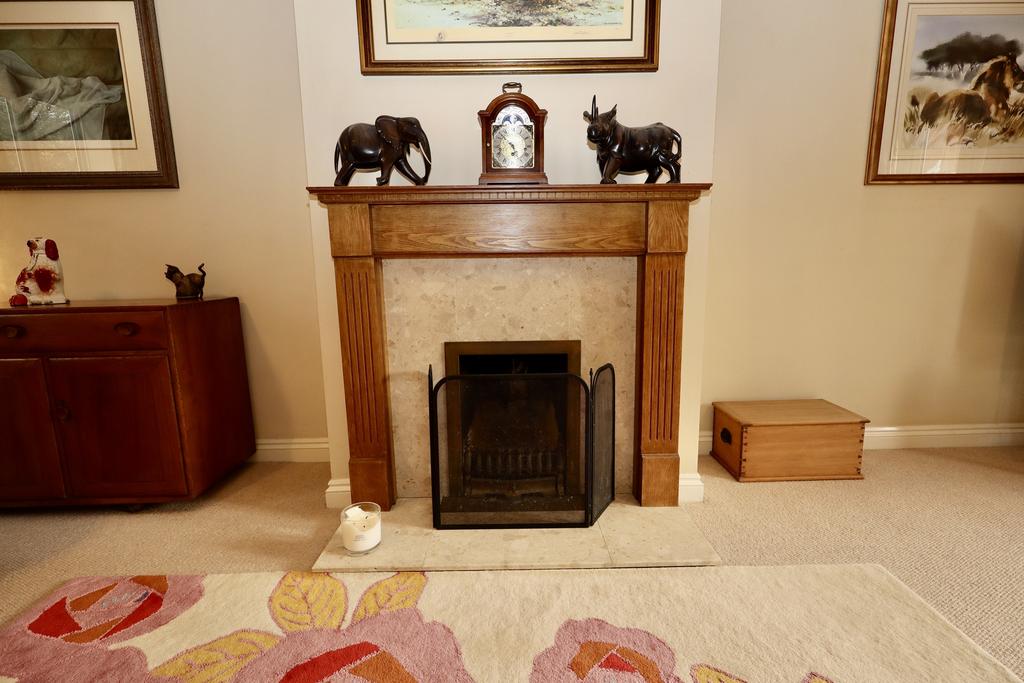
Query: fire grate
521, 449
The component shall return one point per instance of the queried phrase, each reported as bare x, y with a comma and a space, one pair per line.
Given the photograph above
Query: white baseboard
944, 436
339, 494
292, 450
691, 488
928, 436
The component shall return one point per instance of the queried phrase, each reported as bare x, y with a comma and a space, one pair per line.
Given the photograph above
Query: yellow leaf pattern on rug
397, 592
304, 600
217, 661
702, 673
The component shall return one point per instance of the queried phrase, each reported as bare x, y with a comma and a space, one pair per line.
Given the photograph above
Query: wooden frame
649, 222
374, 64
883, 90
165, 175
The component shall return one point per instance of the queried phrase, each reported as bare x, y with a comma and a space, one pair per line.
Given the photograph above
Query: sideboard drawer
131, 330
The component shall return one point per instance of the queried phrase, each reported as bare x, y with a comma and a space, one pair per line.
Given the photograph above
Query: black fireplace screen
523, 449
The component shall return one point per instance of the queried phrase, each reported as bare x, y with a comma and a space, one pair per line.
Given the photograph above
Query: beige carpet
949, 523
265, 517
812, 624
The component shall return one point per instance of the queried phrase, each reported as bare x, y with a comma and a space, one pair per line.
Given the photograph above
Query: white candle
361, 527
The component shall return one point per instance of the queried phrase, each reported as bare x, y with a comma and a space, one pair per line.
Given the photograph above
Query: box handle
726, 436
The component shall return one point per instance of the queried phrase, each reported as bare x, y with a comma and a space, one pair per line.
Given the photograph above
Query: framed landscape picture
506, 36
949, 94
82, 100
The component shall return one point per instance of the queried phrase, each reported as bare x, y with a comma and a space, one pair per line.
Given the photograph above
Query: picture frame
85, 104
418, 37
942, 111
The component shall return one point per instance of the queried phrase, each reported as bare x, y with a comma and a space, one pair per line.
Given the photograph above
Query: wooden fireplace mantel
369, 224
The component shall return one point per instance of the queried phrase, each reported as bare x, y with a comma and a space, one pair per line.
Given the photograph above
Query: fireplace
518, 438
648, 222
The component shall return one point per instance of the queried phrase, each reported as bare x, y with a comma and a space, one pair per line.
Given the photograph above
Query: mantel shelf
475, 194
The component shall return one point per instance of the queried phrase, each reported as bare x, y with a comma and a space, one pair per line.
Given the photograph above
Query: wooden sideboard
649, 222
121, 402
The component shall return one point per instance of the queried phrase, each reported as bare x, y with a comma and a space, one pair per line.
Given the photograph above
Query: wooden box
788, 440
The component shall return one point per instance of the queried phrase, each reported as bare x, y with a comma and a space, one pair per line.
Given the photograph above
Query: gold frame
871, 173
371, 66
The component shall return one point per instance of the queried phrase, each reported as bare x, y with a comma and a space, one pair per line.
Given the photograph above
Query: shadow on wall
992, 310
260, 364
1011, 402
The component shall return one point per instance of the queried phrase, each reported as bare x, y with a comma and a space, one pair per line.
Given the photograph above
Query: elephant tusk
426, 156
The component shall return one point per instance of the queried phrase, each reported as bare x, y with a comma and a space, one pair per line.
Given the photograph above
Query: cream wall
232, 82
903, 303
681, 93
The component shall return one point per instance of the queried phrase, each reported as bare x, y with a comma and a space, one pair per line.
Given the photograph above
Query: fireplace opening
514, 436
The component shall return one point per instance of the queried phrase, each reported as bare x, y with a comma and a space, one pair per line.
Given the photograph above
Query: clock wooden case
512, 132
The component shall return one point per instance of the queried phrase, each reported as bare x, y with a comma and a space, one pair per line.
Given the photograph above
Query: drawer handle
62, 412
13, 331
726, 436
127, 329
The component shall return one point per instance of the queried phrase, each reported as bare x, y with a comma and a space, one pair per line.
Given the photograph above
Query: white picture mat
55, 157
932, 161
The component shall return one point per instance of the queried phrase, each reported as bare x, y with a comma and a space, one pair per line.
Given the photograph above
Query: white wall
232, 82
903, 303
681, 93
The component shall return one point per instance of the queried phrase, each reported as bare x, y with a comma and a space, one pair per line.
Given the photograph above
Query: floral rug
819, 624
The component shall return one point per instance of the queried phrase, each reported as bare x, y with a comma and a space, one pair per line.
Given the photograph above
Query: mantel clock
512, 128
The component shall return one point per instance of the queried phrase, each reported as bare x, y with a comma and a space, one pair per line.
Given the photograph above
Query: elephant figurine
384, 145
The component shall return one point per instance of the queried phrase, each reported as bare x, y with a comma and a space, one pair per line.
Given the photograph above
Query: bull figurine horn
593, 107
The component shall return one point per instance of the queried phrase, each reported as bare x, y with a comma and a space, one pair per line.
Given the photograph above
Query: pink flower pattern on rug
594, 650
72, 629
385, 639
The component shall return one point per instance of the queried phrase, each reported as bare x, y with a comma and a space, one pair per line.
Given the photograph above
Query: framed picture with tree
511, 36
949, 94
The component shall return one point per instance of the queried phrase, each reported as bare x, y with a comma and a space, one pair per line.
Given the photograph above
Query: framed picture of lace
949, 93
82, 98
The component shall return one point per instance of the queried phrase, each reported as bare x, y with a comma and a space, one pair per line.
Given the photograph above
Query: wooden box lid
802, 412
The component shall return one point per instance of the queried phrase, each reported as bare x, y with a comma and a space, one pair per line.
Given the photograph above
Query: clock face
512, 140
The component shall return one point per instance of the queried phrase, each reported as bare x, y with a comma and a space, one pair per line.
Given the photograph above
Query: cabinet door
29, 460
117, 423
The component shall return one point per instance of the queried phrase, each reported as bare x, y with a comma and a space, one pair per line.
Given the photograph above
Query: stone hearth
627, 535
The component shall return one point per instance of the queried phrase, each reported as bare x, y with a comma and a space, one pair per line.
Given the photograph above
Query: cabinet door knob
62, 412
127, 329
13, 331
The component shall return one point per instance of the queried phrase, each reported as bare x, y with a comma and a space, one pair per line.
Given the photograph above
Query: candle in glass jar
361, 527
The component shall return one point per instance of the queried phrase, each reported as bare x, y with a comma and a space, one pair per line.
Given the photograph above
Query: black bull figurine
621, 149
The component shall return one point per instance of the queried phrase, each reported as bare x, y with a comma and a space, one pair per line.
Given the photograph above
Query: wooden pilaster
364, 358
660, 275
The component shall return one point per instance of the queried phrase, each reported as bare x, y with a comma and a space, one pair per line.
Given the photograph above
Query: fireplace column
364, 355
659, 348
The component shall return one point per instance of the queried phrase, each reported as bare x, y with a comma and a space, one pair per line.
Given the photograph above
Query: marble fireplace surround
648, 222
